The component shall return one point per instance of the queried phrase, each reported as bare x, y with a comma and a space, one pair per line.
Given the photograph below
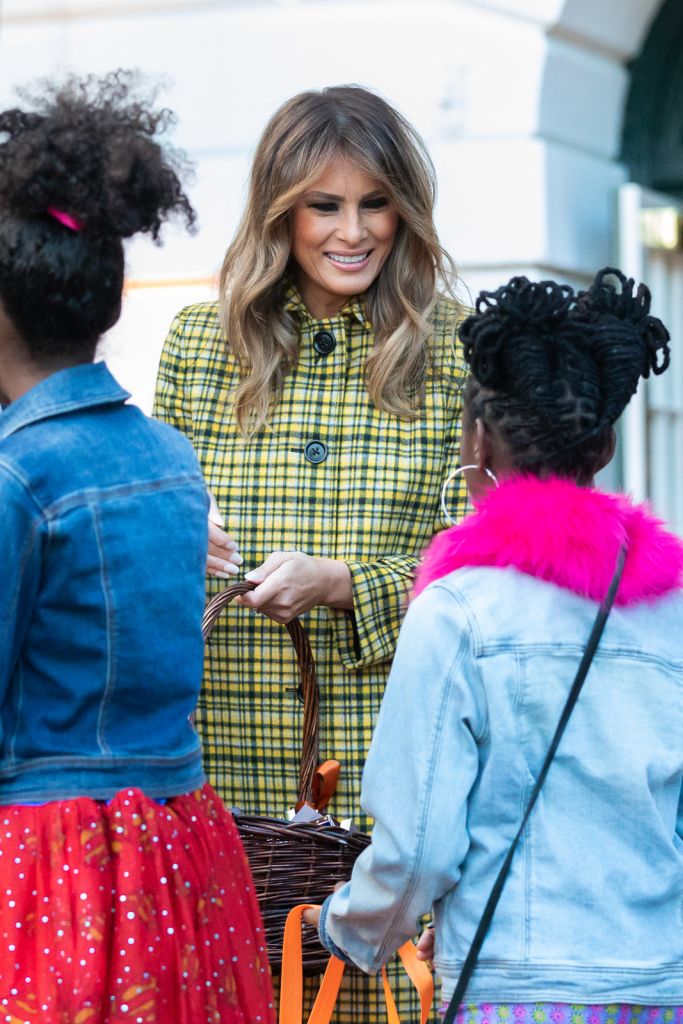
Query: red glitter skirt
131, 912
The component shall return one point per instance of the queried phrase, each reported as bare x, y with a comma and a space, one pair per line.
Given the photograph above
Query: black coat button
315, 451
324, 342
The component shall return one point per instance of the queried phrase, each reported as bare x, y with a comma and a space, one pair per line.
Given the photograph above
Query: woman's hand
311, 916
223, 558
425, 946
290, 583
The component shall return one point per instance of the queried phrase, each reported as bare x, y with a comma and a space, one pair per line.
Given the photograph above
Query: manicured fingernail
252, 576
237, 560
230, 568
230, 545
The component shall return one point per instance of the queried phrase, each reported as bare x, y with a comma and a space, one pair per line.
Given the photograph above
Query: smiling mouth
346, 261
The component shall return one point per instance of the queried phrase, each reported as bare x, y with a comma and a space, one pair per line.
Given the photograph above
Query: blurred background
556, 127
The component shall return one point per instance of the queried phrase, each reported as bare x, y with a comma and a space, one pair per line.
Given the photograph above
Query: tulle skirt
131, 912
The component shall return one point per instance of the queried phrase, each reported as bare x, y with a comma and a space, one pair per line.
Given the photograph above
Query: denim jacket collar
78, 387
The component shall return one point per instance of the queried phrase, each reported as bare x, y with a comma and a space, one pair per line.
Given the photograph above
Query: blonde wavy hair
297, 144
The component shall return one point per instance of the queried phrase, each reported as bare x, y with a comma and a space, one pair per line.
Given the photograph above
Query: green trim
652, 144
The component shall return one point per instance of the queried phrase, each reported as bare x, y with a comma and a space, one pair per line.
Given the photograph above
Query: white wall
520, 102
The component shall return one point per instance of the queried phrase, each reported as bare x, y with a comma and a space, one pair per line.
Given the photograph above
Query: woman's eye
324, 207
376, 204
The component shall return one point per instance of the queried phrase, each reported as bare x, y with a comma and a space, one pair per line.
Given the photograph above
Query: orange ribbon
324, 783
323, 786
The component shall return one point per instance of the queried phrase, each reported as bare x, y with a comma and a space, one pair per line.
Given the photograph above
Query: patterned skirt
566, 1013
129, 911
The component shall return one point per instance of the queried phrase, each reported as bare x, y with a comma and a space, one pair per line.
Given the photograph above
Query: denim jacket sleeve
20, 525
422, 764
679, 825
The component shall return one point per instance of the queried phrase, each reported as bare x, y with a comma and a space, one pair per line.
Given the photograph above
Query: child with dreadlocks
124, 892
588, 927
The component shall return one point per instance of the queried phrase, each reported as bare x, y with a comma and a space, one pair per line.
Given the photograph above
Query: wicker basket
293, 863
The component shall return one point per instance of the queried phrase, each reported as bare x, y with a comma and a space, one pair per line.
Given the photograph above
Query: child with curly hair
588, 927
125, 893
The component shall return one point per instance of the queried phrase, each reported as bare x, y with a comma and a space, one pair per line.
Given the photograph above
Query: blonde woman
322, 394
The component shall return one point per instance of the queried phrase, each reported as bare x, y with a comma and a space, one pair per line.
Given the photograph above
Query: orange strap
291, 987
421, 977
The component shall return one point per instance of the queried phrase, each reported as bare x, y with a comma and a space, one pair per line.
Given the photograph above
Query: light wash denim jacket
103, 538
592, 911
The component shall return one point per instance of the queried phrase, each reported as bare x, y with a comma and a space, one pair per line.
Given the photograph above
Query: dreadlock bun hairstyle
80, 170
552, 370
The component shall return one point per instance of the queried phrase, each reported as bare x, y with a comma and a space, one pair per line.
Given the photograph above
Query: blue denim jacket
103, 539
592, 911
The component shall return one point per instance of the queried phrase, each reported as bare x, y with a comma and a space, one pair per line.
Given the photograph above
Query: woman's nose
351, 229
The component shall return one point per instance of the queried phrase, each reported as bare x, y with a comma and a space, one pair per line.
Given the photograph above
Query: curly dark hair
551, 370
88, 148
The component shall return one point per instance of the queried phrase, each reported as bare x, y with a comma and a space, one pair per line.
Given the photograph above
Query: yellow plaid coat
372, 500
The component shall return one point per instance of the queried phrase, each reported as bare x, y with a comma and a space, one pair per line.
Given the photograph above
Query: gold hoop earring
451, 476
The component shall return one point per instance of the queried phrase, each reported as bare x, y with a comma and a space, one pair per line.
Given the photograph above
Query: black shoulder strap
492, 902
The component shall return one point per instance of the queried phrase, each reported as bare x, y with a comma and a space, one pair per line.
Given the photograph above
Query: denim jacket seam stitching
476, 641
521, 718
468, 611
109, 621
551, 966
477, 646
54, 410
95, 761
15, 733
484, 733
95, 394
528, 780
383, 951
91, 495
527, 849
25, 485
25, 553
560, 649
23, 561
37, 791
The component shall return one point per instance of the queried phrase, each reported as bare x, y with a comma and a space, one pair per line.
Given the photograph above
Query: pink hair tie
72, 223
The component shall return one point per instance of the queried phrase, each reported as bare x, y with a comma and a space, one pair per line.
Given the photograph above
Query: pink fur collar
566, 534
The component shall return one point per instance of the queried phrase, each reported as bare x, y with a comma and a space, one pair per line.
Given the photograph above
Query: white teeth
347, 259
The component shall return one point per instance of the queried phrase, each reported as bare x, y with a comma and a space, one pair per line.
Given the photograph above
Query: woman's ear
607, 453
482, 445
